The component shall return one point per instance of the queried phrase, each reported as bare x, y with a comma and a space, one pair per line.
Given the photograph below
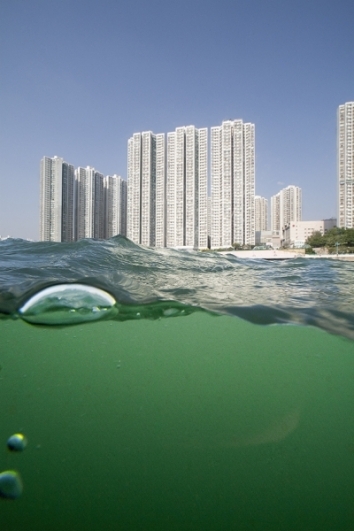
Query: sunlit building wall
186, 188
146, 189
286, 206
134, 186
275, 214
57, 200
345, 155
84, 203
232, 184
160, 192
261, 213
297, 232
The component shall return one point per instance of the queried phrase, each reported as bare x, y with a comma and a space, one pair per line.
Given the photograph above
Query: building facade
261, 213
345, 156
297, 232
91, 203
232, 184
187, 188
167, 188
81, 203
286, 206
57, 200
116, 206
85, 179
146, 189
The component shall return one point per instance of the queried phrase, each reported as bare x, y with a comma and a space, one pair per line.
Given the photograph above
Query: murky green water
191, 423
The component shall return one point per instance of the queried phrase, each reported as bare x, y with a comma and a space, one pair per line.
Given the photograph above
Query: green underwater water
189, 423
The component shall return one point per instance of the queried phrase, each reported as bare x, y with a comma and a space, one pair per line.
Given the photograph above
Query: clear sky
79, 77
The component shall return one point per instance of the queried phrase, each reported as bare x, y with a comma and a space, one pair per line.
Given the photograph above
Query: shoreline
285, 255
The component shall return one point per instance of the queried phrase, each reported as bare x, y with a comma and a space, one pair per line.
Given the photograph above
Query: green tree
344, 238
336, 235
316, 240
350, 237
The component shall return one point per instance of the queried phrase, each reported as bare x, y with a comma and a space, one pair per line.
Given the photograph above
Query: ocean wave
151, 282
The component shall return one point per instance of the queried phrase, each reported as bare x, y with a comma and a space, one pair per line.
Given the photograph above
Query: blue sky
79, 77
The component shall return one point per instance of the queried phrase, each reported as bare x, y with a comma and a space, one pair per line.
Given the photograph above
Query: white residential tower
57, 197
261, 213
146, 189
90, 204
116, 205
233, 184
345, 151
187, 188
286, 206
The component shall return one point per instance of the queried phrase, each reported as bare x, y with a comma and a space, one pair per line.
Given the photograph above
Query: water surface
173, 413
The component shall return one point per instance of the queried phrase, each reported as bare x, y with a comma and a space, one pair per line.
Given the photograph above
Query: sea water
218, 395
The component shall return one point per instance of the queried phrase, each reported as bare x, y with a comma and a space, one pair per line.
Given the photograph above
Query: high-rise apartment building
84, 204
90, 204
345, 154
261, 213
116, 205
275, 215
286, 206
187, 188
99, 207
233, 184
146, 189
167, 188
57, 197
81, 203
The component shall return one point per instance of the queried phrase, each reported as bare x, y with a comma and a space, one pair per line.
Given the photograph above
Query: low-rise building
296, 232
263, 237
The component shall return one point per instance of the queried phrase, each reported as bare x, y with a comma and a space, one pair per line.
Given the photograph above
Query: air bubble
170, 311
17, 442
11, 486
68, 304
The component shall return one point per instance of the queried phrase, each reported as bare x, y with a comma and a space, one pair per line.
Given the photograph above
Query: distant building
233, 184
116, 206
264, 237
90, 204
209, 219
81, 203
345, 154
187, 188
297, 232
167, 188
261, 213
286, 206
57, 198
146, 189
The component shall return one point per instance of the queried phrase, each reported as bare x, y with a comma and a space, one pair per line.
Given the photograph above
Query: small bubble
11, 486
17, 442
170, 311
